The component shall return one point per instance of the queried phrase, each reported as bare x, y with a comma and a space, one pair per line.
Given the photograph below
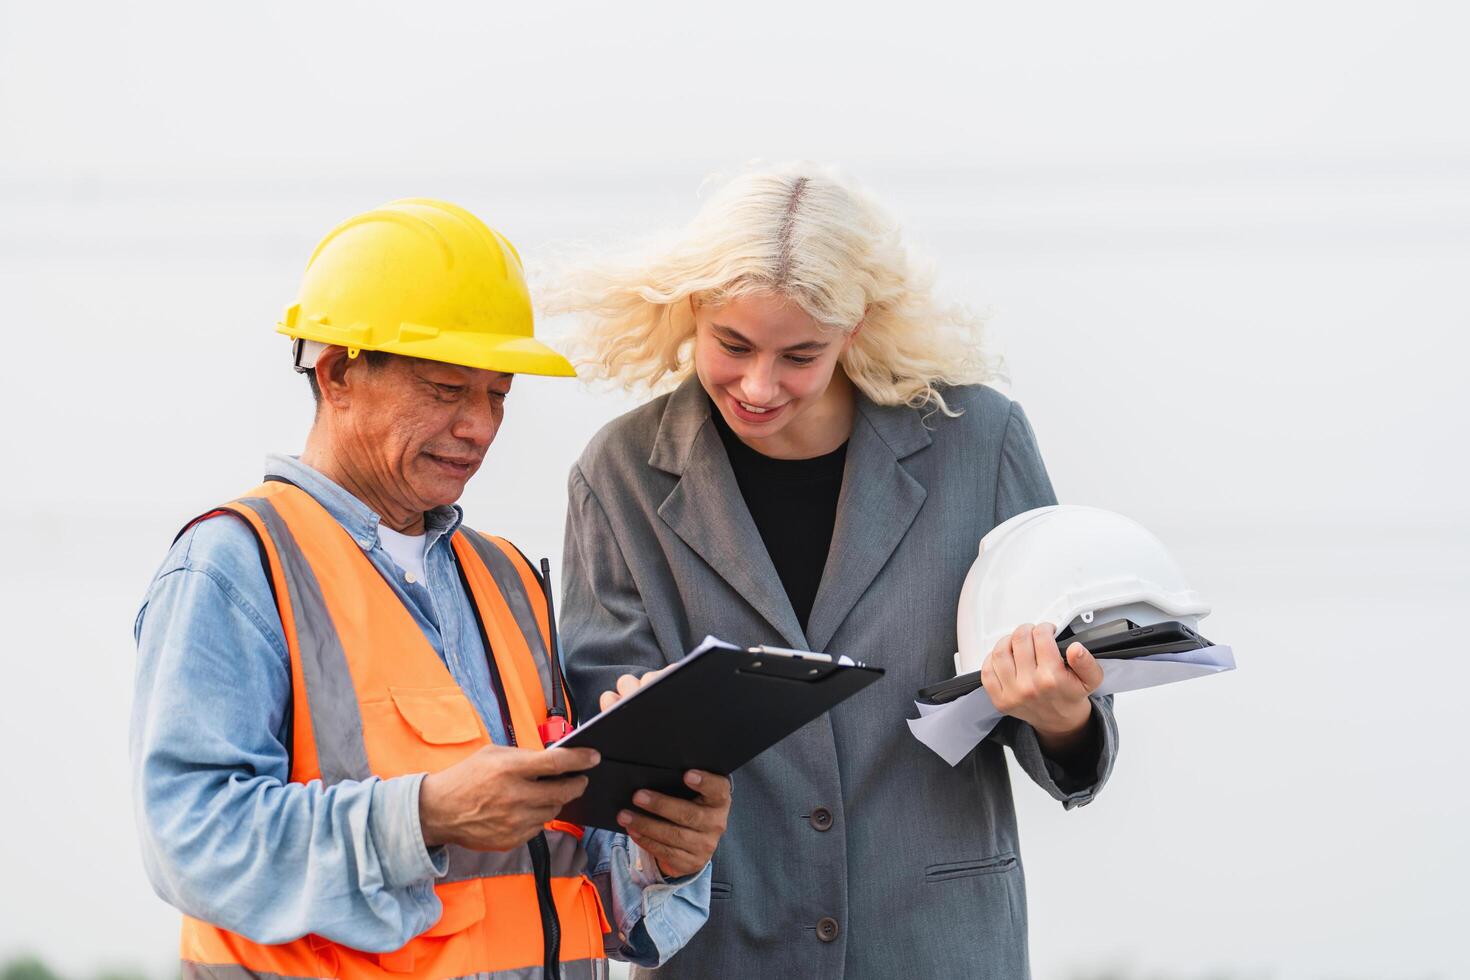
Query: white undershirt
406, 550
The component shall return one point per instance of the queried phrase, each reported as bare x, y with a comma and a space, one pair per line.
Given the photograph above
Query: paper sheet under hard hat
953, 729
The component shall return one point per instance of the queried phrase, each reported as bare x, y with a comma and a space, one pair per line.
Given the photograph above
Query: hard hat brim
509, 353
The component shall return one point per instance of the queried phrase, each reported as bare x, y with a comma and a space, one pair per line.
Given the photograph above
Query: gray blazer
853, 850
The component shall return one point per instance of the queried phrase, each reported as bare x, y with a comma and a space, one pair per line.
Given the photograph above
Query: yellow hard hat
424, 279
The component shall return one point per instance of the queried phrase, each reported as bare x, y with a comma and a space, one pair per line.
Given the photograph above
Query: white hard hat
1067, 564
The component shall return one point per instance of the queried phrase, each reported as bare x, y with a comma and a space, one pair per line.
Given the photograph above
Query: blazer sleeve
605, 629
1022, 485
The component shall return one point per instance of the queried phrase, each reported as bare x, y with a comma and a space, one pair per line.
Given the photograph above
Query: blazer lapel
878, 503
705, 509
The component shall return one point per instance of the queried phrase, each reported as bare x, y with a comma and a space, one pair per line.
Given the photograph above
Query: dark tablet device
1137, 641
716, 710
1120, 639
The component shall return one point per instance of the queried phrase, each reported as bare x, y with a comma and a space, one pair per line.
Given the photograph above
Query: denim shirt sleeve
652, 916
226, 837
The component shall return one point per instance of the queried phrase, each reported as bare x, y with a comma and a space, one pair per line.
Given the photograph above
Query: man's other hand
500, 797
681, 834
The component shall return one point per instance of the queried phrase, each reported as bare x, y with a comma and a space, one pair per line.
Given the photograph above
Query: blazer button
821, 818
827, 929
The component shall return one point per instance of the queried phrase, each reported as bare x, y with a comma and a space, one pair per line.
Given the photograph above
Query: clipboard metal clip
825, 658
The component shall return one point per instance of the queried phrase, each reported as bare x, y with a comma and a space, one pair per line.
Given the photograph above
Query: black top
794, 505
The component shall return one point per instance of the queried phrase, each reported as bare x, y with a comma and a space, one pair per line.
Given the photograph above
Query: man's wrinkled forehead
423, 365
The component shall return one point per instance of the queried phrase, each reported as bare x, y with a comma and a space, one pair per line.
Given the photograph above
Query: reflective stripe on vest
580, 970
372, 698
511, 585
336, 722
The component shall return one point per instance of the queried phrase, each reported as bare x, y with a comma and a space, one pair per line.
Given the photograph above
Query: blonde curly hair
801, 232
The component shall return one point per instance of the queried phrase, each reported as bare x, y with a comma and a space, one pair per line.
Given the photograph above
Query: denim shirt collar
356, 517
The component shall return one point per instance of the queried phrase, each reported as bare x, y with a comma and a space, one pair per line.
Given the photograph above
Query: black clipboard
717, 709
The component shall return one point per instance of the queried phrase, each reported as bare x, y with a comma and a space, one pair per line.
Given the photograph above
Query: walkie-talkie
558, 722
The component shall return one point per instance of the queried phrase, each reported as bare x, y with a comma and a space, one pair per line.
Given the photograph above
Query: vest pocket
439, 715
597, 925
464, 907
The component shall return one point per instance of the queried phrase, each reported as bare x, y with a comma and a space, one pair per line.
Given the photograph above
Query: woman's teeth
752, 408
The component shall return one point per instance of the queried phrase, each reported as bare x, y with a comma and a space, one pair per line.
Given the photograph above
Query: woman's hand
680, 834
627, 684
1027, 678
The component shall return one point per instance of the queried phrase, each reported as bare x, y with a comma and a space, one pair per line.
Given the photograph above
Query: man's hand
681, 834
1027, 678
500, 797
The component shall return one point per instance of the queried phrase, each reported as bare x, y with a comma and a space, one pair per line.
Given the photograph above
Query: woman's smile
752, 414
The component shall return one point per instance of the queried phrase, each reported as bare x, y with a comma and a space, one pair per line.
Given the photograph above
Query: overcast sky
1224, 249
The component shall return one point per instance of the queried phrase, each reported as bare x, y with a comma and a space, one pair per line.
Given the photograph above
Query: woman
819, 479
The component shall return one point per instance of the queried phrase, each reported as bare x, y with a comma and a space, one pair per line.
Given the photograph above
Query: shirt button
408, 577
821, 818
827, 929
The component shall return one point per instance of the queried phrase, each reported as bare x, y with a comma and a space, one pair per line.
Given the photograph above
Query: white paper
953, 729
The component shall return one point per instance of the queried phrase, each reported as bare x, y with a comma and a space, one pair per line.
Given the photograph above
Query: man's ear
332, 365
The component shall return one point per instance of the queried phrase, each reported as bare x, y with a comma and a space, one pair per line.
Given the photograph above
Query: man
343, 694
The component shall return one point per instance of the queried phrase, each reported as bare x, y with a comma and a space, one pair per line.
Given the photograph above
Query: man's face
418, 430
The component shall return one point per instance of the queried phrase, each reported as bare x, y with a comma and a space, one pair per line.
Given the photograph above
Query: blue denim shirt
228, 839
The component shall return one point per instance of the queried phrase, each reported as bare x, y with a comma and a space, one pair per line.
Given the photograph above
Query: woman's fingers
1085, 666
1051, 668
1029, 678
1023, 650
988, 678
654, 675
1004, 660
627, 684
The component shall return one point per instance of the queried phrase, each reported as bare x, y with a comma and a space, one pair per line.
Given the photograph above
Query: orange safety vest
371, 697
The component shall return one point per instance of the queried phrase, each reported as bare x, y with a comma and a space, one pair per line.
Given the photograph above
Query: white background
1224, 247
